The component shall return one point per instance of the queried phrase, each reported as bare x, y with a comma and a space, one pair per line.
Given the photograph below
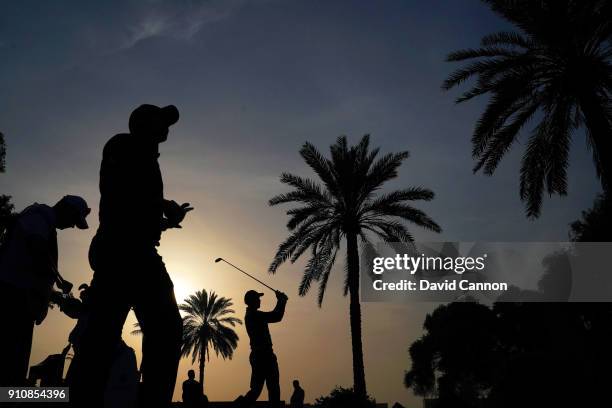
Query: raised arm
276, 314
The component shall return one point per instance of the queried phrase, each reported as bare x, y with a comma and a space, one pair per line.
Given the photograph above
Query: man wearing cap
128, 271
28, 271
264, 367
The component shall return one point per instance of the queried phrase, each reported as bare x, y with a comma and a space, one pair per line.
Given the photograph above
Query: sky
253, 81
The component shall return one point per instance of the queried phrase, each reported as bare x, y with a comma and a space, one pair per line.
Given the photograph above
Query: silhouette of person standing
264, 366
28, 271
128, 271
193, 394
297, 398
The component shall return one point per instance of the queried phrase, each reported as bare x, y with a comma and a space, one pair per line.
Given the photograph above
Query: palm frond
383, 170
533, 171
410, 194
500, 142
506, 38
322, 167
488, 51
325, 276
306, 191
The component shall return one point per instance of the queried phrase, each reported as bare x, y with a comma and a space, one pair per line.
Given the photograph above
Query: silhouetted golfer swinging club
264, 365
247, 274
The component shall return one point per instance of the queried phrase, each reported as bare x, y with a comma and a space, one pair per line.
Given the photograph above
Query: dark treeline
553, 73
519, 354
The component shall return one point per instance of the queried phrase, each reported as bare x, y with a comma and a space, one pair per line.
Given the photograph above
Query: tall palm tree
555, 70
6, 208
208, 322
346, 207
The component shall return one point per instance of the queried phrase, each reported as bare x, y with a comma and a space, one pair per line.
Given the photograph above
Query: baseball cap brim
170, 114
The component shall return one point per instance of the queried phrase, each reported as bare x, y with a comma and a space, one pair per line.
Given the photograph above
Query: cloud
177, 19
149, 27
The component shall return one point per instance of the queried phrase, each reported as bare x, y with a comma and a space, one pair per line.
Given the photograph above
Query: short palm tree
554, 71
208, 322
346, 207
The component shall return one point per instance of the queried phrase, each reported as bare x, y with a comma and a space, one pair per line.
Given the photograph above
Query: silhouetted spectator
264, 366
297, 398
192, 391
28, 270
128, 271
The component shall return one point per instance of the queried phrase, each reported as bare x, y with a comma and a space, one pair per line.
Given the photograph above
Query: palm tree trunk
202, 361
601, 137
359, 382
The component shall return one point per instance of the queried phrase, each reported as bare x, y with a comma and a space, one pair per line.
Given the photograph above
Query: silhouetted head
191, 374
296, 384
71, 211
252, 299
152, 122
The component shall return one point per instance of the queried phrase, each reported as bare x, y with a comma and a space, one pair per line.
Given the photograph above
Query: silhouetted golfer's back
264, 366
128, 271
130, 169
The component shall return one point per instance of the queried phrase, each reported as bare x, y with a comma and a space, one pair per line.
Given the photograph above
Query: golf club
250, 276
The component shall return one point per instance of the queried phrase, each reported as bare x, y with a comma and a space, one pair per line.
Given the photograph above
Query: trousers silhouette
16, 339
127, 278
264, 368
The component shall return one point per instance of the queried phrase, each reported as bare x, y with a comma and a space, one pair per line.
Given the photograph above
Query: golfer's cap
80, 208
151, 116
251, 295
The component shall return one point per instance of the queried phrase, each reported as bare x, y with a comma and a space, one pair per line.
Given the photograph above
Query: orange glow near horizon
312, 344
310, 340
